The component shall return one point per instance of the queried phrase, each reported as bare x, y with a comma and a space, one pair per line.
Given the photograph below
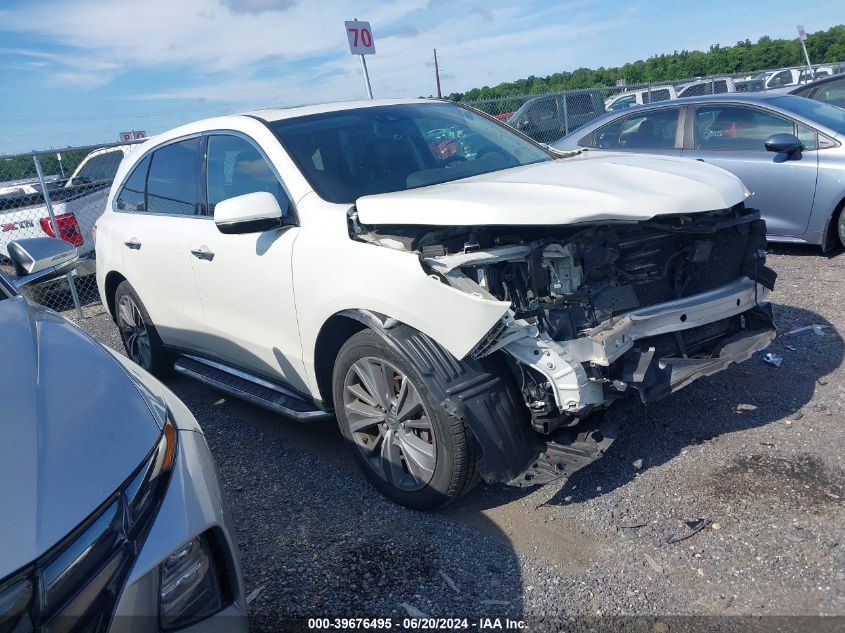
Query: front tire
411, 450
140, 338
840, 227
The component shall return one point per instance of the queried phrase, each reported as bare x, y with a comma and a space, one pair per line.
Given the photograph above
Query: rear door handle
202, 253
134, 244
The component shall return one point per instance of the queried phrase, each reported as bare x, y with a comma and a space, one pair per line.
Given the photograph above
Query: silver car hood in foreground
73, 427
589, 187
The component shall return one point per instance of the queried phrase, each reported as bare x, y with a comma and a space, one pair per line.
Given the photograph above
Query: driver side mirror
250, 213
40, 259
788, 144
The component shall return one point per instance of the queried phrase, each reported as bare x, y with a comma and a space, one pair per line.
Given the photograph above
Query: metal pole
437, 74
565, 115
366, 74
366, 77
55, 227
649, 92
807, 57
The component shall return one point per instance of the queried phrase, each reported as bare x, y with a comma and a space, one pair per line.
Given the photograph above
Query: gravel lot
756, 451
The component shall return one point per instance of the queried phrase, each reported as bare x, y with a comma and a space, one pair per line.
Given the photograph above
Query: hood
73, 427
589, 187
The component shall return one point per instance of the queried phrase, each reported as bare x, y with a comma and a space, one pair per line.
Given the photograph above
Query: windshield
815, 111
352, 153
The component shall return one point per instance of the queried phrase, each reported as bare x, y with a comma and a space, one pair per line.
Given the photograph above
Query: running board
250, 388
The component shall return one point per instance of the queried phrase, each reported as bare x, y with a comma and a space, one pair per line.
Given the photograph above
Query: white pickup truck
77, 203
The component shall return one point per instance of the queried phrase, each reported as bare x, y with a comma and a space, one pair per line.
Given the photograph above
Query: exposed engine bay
599, 312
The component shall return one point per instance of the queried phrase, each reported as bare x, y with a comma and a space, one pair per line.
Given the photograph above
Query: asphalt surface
754, 455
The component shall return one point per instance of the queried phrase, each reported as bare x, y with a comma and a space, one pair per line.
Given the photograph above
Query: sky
80, 72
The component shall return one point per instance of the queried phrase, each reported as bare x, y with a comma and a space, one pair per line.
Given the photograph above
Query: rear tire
140, 338
840, 227
409, 448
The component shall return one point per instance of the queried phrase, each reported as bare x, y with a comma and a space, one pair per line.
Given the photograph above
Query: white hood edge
590, 187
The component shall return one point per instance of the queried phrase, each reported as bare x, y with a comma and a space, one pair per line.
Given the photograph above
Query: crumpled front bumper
563, 362
656, 377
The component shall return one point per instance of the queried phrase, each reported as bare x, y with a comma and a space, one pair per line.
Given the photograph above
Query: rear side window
100, 168
657, 95
543, 110
650, 130
235, 168
782, 78
623, 102
131, 197
608, 136
173, 180
695, 90
580, 103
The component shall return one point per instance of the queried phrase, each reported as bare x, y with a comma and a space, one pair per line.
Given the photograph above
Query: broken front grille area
662, 265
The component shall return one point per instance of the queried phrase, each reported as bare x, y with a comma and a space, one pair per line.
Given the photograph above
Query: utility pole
437, 74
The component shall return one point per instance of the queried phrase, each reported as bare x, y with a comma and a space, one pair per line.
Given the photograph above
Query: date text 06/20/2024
421, 623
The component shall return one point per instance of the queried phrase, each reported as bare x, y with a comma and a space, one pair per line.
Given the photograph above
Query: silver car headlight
82, 575
192, 586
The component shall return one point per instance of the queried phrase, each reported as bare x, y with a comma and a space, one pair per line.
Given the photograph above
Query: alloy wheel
389, 423
133, 332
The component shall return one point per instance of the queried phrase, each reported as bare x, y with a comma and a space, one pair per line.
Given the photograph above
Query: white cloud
401, 67
197, 33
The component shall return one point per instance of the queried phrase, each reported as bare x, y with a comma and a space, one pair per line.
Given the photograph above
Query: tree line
22, 167
744, 57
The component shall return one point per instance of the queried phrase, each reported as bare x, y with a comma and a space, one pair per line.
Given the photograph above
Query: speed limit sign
360, 37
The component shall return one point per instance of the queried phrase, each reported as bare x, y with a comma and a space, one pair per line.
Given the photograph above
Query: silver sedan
787, 150
112, 515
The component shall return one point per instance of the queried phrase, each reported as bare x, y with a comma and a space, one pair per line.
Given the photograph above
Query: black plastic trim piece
479, 391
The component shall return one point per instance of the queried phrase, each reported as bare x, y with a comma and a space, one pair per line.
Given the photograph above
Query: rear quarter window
132, 194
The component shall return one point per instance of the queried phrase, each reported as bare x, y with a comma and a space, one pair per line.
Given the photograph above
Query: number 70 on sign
360, 37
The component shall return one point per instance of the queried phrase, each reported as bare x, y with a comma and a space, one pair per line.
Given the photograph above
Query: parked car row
549, 117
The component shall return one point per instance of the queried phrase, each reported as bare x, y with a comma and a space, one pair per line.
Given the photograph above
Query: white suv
463, 317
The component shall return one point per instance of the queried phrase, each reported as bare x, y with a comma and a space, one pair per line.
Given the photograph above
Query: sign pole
802, 36
360, 36
366, 76
437, 75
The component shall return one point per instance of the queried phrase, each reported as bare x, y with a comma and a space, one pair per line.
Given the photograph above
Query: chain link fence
548, 117
59, 194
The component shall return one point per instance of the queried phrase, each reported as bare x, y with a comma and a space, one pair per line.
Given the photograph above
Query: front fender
480, 392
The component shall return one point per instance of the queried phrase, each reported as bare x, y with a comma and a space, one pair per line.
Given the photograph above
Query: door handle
133, 243
202, 253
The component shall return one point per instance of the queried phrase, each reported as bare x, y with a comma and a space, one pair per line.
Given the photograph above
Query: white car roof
236, 121
276, 114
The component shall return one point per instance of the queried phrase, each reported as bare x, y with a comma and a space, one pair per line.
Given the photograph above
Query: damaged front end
602, 313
